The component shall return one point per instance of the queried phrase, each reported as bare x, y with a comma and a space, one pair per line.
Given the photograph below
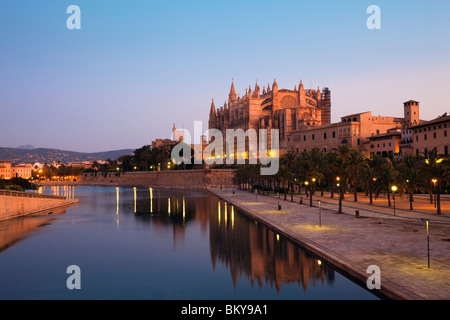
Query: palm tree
356, 163
411, 175
386, 178
437, 168
331, 170
310, 170
370, 173
290, 161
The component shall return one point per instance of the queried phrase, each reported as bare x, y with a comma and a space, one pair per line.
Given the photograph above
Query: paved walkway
397, 244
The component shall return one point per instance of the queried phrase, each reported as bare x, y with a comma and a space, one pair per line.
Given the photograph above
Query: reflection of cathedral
251, 249
245, 247
273, 108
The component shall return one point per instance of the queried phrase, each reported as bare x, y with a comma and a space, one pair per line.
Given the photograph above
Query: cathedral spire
213, 107
275, 86
232, 95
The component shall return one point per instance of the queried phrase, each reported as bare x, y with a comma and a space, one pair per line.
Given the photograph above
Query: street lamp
434, 190
394, 188
428, 241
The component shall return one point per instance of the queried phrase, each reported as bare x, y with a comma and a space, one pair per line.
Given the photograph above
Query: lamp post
394, 188
434, 190
428, 241
320, 215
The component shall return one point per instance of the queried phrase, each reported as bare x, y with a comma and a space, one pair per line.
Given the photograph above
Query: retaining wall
186, 179
16, 204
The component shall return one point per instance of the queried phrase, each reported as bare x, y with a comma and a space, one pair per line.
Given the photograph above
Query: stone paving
396, 244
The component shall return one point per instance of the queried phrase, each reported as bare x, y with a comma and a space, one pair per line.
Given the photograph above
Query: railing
29, 195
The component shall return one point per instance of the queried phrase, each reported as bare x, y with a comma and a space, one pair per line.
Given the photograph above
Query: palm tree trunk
355, 189
292, 192
331, 190
411, 201
389, 199
341, 197
370, 193
438, 198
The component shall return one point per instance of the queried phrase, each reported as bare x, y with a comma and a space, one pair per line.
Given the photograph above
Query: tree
437, 168
411, 176
370, 173
355, 164
386, 179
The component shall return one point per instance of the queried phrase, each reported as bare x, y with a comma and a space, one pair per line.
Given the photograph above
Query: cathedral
272, 108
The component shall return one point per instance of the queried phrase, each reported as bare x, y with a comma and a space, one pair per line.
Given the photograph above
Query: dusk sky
137, 67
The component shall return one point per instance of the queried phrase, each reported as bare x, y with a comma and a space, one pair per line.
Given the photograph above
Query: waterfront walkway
397, 244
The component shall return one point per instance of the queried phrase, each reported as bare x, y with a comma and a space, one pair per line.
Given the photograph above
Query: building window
304, 137
324, 135
378, 131
425, 137
359, 142
417, 152
434, 135
445, 150
389, 144
417, 138
313, 136
445, 133
334, 134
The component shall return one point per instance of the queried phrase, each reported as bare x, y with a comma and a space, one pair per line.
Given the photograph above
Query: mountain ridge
49, 155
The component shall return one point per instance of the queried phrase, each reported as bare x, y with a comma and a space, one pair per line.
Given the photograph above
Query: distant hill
45, 155
26, 147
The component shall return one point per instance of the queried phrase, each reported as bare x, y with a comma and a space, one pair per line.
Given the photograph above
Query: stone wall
16, 204
183, 179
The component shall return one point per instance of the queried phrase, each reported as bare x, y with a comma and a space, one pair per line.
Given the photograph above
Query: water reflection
226, 242
248, 249
252, 250
14, 230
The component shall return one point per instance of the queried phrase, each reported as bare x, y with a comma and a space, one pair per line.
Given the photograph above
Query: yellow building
8, 171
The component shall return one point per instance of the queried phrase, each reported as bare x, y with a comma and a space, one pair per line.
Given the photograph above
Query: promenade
397, 244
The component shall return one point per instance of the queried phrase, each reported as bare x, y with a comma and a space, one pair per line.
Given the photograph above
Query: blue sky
137, 67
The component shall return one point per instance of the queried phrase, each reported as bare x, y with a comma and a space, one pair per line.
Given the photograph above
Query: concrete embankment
395, 244
183, 179
15, 204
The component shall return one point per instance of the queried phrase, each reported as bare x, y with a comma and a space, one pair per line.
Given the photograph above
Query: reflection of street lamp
394, 188
434, 190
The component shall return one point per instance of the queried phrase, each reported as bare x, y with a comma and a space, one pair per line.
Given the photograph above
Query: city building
9, 171
176, 137
302, 117
428, 135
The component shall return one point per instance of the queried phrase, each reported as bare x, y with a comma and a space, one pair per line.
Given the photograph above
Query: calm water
166, 244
